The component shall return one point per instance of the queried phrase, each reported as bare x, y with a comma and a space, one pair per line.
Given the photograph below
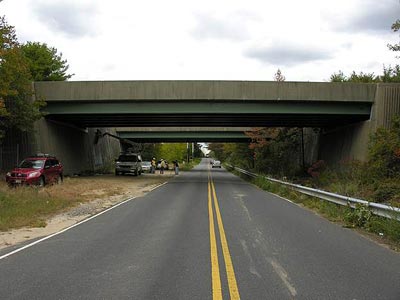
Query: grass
357, 180
27, 206
383, 229
31, 207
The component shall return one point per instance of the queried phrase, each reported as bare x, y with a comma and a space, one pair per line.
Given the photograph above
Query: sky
307, 40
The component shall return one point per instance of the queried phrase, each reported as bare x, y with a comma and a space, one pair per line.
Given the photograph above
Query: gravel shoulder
97, 193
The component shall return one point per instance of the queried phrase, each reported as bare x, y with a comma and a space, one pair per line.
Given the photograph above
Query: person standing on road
176, 167
153, 165
162, 166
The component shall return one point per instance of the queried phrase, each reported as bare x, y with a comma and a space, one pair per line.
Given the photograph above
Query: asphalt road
205, 235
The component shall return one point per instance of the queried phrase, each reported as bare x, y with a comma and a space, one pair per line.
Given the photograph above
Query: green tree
391, 74
281, 154
17, 108
217, 151
395, 28
45, 64
354, 77
150, 150
197, 150
363, 77
173, 151
239, 154
338, 77
384, 151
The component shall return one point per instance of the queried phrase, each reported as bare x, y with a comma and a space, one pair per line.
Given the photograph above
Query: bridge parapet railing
376, 208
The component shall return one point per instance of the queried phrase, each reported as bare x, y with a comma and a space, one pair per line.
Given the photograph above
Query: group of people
163, 165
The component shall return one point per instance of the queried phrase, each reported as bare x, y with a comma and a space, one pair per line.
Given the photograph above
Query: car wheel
41, 182
59, 179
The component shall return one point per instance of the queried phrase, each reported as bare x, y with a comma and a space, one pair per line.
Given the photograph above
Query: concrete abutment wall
350, 142
76, 148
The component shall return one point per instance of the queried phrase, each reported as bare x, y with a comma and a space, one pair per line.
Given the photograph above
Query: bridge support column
75, 147
351, 142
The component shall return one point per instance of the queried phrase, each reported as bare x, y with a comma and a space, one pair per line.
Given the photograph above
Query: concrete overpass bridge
346, 112
206, 103
187, 134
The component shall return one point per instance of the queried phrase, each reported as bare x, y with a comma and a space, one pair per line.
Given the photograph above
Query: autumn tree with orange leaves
277, 150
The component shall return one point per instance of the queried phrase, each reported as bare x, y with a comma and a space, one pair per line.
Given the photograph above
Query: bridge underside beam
184, 136
208, 113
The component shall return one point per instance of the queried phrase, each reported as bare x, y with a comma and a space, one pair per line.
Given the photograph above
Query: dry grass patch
31, 207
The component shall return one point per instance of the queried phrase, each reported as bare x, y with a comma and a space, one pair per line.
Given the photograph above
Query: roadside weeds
382, 230
28, 212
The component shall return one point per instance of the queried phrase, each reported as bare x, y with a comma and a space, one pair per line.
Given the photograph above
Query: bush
386, 191
359, 216
386, 227
384, 151
316, 168
281, 156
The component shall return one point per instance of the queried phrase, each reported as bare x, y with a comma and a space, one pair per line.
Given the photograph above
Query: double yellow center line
215, 273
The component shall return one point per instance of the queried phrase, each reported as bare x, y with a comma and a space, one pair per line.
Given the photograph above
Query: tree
391, 74
261, 136
384, 151
217, 151
276, 150
354, 77
395, 28
17, 109
279, 76
150, 150
173, 151
338, 77
363, 77
45, 64
8, 37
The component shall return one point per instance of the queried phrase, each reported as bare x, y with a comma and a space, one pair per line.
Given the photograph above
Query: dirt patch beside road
95, 194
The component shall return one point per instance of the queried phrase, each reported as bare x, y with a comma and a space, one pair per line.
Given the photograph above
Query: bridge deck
206, 103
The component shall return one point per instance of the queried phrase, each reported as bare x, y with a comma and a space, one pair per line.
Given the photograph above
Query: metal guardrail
376, 208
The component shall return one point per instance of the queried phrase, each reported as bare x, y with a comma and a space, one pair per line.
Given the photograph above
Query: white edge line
283, 198
72, 226
276, 195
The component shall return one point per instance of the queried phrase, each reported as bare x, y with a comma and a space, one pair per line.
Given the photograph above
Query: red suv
36, 170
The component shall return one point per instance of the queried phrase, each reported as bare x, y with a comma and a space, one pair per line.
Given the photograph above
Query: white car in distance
216, 164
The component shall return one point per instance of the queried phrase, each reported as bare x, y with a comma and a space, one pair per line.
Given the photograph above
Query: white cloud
289, 54
367, 16
212, 27
224, 40
74, 19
